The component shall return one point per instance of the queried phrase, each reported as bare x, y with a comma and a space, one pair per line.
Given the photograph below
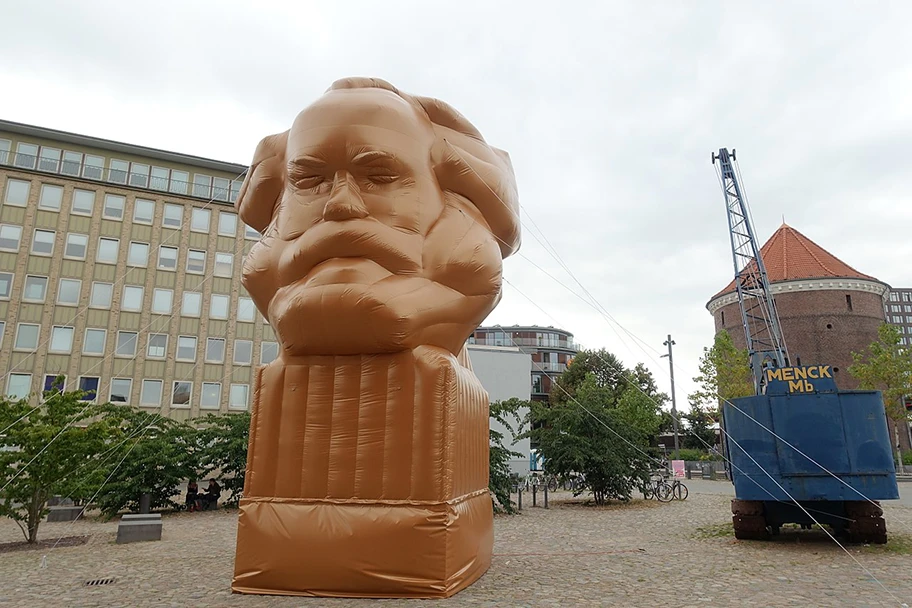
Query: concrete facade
504, 373
120, 270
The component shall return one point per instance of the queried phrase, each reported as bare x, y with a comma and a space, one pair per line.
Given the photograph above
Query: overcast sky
609, 115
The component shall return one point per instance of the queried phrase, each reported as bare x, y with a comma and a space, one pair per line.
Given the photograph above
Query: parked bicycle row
659, 487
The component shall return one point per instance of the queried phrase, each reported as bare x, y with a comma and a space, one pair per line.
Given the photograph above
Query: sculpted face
364, 250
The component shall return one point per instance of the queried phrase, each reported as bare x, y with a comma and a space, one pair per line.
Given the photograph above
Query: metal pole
674, 407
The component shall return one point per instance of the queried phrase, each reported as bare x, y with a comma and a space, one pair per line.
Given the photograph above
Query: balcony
539, 366
146, 180
527, 343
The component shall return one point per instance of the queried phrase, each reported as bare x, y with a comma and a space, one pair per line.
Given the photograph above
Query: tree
700, 432
607, 370
887, 367
602, 434
223, 441
725, 373
46, 453
500, 481
156, 455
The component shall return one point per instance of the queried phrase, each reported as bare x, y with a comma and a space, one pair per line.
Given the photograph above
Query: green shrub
691, 455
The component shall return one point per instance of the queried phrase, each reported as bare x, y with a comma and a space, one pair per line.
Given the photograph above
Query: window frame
189, 403
41, 191
137, 206
123, 297
60, 282
218, 401
26, 349
246, 388
145, 263
110, 297
104, 341
117, 344
164, 347
129, 392
177, 351
75, 211
7, 190
170, 299
18, 246
35, 240
98, 258
142, 392
176, 258
54, 328
44, 290
224, 343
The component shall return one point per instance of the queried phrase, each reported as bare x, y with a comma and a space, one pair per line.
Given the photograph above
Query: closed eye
383, 178
308, 181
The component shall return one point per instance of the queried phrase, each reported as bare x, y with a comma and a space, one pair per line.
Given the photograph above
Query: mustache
398, 251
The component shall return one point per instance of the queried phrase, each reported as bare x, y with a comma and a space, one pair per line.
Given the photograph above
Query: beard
393, 314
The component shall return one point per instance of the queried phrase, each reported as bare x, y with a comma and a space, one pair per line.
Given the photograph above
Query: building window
179, 181
158, 346
220, 187
121, 389
162, 301
268, 352
126, 344
18, 386
10, 237
6, 285
35, 288
235, 189
5, 147
88, 385
72, 162
167, 258
51, 197
113, 207
27, 336
237, 396
537, 383
224, 265
201, 185
243, 352
49, 160
251, 234
26, 155
227, 223
117, 171
61, 340
186, 348
76, 246
68, 292
151, 393
17, 192
849, 302
107, 250
897, 318
894, 307
83, 202
199, 220
132, 298
907, 308
181, 393
211, 395
245, 309
218, 306
94, 341
101, 295
159, 178
173, 217
54, 383
143, 211
93, 167
196, 261
139, 175
215, 350
192, 304
138, 254
43, 244
894, 297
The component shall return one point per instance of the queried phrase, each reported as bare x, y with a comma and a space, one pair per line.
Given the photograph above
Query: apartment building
120, 270
551, 350
898, 312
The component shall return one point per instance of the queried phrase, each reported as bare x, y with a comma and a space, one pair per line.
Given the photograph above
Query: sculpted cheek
461, 253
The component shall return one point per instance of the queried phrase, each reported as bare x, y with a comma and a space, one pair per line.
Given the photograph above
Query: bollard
145, 501
519, 498
534, 495
546, 497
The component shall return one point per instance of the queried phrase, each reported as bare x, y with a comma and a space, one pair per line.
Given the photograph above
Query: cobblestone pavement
641, 554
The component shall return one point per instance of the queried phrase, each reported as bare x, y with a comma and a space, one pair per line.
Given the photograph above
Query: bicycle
678, 489
539, 480
657, 488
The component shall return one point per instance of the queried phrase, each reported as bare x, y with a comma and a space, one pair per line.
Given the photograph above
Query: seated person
210, 498
192, 502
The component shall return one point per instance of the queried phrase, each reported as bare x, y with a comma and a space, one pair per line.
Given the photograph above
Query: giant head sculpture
385, 218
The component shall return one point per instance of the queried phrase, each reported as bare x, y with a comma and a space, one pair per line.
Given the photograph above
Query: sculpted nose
345, 201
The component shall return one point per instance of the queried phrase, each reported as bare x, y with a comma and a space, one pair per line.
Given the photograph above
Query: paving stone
642, 554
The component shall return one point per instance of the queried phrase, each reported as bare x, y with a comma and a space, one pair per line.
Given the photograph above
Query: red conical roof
789, 256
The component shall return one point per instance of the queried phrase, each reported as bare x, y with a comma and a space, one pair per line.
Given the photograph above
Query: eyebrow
366, 158
309, 161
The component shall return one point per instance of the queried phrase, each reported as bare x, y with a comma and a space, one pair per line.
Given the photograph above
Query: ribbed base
351, 548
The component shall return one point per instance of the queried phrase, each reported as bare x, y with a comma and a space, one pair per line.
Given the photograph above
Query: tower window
723, 318
849, 302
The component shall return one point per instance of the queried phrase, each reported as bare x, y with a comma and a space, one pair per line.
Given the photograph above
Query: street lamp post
674, 409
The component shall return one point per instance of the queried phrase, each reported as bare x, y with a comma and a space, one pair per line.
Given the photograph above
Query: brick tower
827, 308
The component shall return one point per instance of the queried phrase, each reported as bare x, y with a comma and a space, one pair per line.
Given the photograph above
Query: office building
120, 270
898, 312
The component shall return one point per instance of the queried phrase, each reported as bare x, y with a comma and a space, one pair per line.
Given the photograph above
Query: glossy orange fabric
385, 218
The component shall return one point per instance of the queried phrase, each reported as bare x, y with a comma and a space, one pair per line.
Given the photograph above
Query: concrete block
64, 513
139, 528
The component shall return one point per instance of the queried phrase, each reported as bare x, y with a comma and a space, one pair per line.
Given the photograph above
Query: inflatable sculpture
385, 219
